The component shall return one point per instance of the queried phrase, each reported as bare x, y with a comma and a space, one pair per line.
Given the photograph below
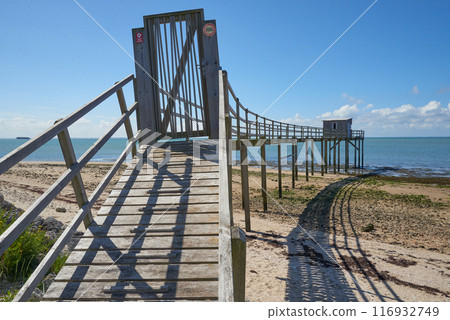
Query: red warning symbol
209, 29
139, 37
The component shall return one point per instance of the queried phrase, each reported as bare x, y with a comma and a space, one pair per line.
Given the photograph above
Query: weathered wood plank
182, 169
157, 272
157, 219
176, 242
161, 184
152, 230
176, 177
88, 291
151, 200
159, 209
164, 192
138, 257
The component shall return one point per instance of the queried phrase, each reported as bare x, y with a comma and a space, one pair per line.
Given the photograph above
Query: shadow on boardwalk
320, 268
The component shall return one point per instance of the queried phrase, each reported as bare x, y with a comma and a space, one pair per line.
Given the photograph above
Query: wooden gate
176, 60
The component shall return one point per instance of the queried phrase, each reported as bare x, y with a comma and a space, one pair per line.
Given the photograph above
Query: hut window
334, 125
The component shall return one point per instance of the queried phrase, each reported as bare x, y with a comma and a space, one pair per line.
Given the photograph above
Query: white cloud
346, 111
432, 119
415, 89
299, 120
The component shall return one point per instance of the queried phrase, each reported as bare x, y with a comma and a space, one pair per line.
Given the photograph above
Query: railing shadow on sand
320, 268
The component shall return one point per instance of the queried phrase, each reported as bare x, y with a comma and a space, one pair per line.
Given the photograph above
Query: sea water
396, 156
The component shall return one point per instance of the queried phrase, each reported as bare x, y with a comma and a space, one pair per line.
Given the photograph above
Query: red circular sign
209, 29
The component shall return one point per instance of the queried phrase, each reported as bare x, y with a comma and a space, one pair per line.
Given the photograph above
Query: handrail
73, 171
226, 287
32, 145
277, 129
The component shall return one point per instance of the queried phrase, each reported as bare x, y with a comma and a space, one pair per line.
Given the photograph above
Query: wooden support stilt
293, 166
306, 159
359, 153
354, 162
264, 176
245, 186
296, 159
347, 155
362, 153
280, 184
339, 156
239, 248
322, 162
330, 164
325, 157
334, 156
312, 157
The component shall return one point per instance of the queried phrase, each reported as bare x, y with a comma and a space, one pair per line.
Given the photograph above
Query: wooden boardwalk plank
143, 257
88, 291
177, 177
154, 238
152, 230
157, 219
164, 192
161, 184
157, 272
159, 209
168, 200
176, 242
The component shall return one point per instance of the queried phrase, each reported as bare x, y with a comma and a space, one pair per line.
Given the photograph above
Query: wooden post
293, 166
145, 87
245, 186
354, 166
77, 183
362, 152
312, 157
339, 156
321, 154
306, 156
347, 157
280, 185
238, 248
210, 67
264, 176
359, 153
334, 156
296, 159
127, 123
325, 157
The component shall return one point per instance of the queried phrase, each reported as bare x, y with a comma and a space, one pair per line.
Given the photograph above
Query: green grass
23, 256
418, 200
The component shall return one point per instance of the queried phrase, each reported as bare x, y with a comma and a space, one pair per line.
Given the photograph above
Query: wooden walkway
155, 237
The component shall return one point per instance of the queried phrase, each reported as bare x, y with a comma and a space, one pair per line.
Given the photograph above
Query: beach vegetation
19, 261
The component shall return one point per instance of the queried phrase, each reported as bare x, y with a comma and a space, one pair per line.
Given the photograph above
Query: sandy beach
334, 238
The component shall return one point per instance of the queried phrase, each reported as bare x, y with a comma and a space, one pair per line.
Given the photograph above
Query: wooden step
152, 230
129, 243
149, 201
93, 291
157, 272
159, 209
156, 219
192, 256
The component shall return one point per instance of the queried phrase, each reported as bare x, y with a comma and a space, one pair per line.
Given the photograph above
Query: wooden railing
74, 167
248, 124
232, 240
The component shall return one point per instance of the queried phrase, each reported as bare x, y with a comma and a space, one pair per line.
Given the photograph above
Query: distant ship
26, 138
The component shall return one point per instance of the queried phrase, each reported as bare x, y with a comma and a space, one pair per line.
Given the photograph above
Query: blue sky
390, 71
